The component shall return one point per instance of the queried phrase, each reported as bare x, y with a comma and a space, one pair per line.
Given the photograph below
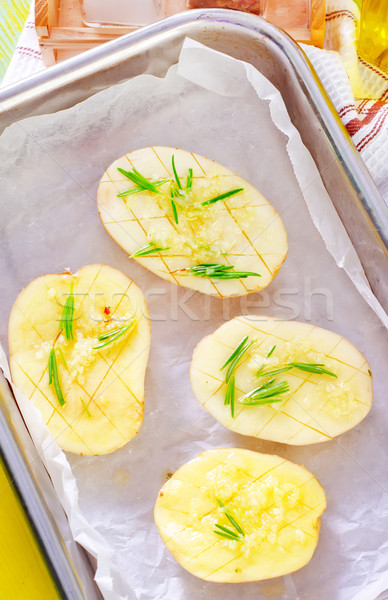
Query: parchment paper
223, 109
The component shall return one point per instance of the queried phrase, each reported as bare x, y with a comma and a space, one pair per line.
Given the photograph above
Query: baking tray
153, 50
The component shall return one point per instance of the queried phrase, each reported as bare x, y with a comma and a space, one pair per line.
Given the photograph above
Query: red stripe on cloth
340, 13
376, 129
28, 52
362, 104
345, 109
356, 124
348, 110
31, 50
374, 69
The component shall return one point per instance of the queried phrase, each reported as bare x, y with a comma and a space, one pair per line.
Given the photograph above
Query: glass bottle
373, 41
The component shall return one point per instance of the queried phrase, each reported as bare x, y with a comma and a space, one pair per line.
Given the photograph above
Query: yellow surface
23, 573
13, 14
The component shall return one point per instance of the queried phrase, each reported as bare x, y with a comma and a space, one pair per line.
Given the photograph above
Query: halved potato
274, 507
242, 230
98, 406
297, 405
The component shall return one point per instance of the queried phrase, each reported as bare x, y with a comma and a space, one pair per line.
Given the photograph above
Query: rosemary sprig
215, 271
111, 336
189, 180
265, 394
222, 196
150, 248
53, 376
85, 408
140, 180
175, 173
317, 368
236, 359
225, 531
230, 395
67, 317
138, 188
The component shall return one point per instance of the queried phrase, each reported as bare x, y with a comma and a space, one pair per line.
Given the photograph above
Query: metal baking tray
153, 50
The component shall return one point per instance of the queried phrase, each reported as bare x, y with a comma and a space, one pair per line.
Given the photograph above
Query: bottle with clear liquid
373, 41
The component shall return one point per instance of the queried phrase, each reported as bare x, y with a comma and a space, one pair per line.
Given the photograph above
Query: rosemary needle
111, 336
317, 368
150, 248
67, 317
62, 357
140, 180
189, 181
139, 188
222, 196
271, 351
216, 271
229, 532
273, 372
226, 533
236, 351
266, 394
230, 395
53, 376
236, 359
85, 408
175, 173
174, 211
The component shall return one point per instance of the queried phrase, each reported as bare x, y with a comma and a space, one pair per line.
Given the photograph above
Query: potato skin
261, 244
103, 388
317, 408
250, 485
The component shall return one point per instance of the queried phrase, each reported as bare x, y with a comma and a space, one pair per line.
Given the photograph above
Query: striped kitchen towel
27, 57
358, 90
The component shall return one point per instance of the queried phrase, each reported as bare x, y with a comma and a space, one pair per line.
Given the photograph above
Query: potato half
170, 235
297, 403
99, 404
233, 515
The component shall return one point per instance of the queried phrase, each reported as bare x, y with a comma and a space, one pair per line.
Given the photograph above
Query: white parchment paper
224, 109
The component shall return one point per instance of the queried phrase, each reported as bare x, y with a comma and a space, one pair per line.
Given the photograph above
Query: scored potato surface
317, 407
276, 503
104, 388
243, 230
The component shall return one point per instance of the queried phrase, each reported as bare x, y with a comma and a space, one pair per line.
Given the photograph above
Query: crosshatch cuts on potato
192, 221
79, 347
233, 515
284, 381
